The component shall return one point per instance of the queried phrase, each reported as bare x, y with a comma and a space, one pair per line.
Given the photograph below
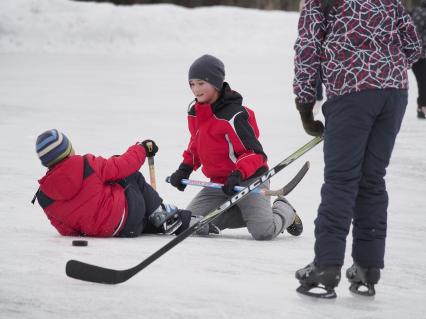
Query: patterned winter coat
419, 18
363, 44
80, 195
224, 138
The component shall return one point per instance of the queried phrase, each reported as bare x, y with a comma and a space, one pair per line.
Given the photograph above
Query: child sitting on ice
93, 196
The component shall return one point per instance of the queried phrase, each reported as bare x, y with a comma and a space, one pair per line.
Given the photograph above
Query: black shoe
364, 278
323, 277
206, 229
296, 228
421, 112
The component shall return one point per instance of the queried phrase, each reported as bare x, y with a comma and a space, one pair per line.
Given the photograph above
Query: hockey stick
87, 272
168, 229
151, 167
265, 192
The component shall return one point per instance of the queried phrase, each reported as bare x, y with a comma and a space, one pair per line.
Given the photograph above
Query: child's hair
208, 68
52, 147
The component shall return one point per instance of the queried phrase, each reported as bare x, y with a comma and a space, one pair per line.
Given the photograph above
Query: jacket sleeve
118, 167
307, 51
190, 155
243, 136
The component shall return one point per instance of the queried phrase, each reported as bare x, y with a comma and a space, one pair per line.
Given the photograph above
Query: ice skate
324, 278
363, 279
167, 217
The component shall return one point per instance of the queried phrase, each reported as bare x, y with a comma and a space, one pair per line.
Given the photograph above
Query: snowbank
67, 26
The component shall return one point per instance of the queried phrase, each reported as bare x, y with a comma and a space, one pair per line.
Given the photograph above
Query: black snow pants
359, 136
419, 69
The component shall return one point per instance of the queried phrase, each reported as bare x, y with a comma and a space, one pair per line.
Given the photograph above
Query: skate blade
362, 290
328, 293
171, 228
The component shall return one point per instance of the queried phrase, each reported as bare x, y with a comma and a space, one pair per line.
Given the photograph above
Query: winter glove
312, 127
234, 179
150, 147
182, 172
185, 217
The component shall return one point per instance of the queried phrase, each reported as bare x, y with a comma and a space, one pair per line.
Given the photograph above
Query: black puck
79, 243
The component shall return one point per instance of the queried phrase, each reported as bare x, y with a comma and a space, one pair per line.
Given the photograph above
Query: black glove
312, 127
150, 147
234, 179
185, 217
182, 172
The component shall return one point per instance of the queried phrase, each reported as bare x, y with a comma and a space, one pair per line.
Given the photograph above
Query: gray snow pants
254, 212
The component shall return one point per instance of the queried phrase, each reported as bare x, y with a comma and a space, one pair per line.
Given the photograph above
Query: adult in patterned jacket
363, 49
97, 197
224, 141
419, 68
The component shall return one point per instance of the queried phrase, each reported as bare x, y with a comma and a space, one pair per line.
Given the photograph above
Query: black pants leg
142, 200
419, 70
370, 212
360, 132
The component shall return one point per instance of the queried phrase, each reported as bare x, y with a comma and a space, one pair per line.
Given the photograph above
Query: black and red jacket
224, 138
359, 45
80, 195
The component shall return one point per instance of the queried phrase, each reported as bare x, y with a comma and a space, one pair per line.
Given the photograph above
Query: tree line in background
287, 5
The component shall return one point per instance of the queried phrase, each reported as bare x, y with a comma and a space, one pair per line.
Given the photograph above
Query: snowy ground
108, 77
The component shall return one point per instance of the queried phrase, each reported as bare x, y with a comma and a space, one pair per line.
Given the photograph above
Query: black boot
421, 112
323, 277
361, 277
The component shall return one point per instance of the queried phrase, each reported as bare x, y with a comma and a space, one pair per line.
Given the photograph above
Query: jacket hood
64, 180
227, 96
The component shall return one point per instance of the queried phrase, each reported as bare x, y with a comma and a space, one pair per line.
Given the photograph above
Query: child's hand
182, 172
150, 147
234, 179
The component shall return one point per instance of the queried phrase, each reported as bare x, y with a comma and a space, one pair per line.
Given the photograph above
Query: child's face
203, 91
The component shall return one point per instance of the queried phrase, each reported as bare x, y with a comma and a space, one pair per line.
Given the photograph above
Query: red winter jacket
91, 206
224, 137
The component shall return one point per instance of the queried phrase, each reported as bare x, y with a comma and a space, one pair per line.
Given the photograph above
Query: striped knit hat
52, 147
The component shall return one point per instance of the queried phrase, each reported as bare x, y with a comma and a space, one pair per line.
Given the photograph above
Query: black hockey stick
87, 272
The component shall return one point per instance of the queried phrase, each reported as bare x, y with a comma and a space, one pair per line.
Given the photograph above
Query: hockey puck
79, 243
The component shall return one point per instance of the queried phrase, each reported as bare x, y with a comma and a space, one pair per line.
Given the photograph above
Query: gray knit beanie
208, 68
